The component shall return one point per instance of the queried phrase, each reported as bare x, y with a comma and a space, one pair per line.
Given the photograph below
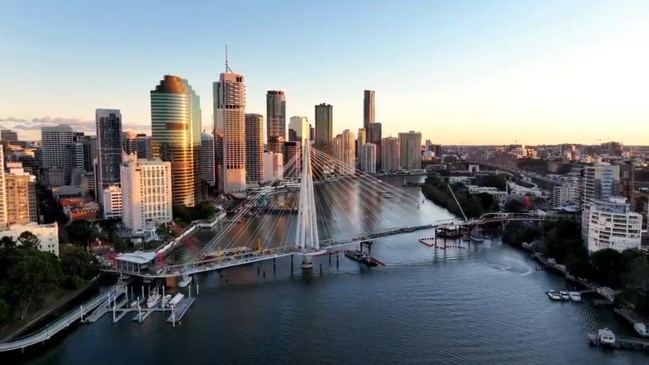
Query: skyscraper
410, 150
54, 147
368, 158
109, 146
275, 114
292, 150
7, 135
368, 109
374, 135
344, 150
361, 139
254, 148
128, 142
208, 174
176, 136
300, 126
324, 127
391, 154
146, 193
230, 132
20, 190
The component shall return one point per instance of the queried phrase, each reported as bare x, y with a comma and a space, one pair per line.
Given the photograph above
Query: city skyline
522, 71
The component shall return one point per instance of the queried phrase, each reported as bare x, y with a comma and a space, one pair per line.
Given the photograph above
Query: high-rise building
390, 159
54, 147
273, 166
276, 144
311, 133
143, 147
3, 192
344, 148
230, 132
176, 136
146, 193
254, 148
275, 114
368, 158
20, 195
111, 202
374, 134
324, 128
612, 224
109, 146
208, 172
300, 128
368, 109
292, 151
410, 150
129, 142
361, 139
7, 135
599, 183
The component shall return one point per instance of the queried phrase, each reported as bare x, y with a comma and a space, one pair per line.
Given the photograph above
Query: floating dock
142, 316
180, 309
621, 342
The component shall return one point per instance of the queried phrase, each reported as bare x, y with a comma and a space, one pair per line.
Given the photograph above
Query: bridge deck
267, 254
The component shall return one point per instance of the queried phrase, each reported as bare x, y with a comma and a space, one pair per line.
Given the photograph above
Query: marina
606, 339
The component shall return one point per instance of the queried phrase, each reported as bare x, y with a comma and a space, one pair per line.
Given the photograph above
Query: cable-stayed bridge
327, 204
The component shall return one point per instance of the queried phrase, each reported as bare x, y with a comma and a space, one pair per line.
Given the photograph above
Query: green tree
608, 265
514, 206
28, 240
487, 202
7, 242
77, 263
493, 181
34, 275
578, 264
637, 276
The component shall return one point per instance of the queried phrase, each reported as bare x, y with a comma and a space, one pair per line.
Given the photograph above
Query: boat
165, 300
606, 337
641, 329
554, 295
476, 239
449, 233
361, 257
154, 299
186, 280
564, 295
575, 296
176, 299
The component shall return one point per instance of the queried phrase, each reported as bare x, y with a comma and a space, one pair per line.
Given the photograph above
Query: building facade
612, 224
208, 172
391, 158
111, 202
597, 183
566, 194
176, 136
368, 109
109, 146
20, 195
230, 132
324, 128
299, 127
361, 139
410, 150
292, 151
344, 147
254, 148
374, 134
275, 114
54, 147
3, 192
368, 158
273, 166
146, 194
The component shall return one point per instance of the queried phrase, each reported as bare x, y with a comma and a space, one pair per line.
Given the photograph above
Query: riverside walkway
63, 322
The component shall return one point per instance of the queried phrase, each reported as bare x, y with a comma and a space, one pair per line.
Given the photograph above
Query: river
481, 305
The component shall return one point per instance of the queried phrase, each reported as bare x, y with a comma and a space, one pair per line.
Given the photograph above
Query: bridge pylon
307, 242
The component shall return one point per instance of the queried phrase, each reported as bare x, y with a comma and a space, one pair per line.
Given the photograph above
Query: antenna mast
227, 65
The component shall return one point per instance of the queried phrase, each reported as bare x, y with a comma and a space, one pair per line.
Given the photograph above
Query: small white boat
154, 299
564, 295
165, 300
186, 280
575, 296
554, 295
606, 337
641, 329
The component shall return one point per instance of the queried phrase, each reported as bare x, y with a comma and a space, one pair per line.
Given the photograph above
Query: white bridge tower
307, 241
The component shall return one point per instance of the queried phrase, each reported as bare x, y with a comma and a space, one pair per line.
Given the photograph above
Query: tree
28, 240
77, 263
80, 232
486, 201
608, 265
514, 206
578, 264
637, 276
7, 242
493, 181
34, 275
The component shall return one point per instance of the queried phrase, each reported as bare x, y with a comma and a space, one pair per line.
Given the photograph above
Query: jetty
621, 342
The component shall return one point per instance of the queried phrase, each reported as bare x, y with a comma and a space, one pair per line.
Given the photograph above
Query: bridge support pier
307, 266
292, 264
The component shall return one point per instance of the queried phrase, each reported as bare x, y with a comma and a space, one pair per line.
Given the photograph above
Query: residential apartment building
368, 158
612, 224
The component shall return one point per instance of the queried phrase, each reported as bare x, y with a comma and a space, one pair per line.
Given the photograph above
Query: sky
460, 72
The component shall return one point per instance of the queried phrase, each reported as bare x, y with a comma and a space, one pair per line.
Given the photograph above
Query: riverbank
52, 307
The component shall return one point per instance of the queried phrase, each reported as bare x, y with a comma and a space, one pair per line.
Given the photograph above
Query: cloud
35, 124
